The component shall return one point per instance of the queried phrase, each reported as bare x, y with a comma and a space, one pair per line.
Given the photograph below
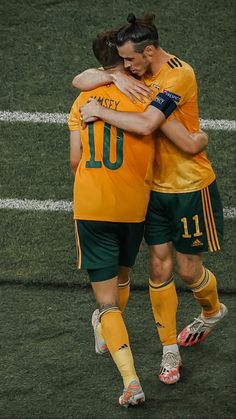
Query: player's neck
160, 58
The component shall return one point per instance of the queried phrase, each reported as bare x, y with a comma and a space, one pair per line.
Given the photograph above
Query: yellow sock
115, 334
123, 295
164, 306
205, 292
125, 364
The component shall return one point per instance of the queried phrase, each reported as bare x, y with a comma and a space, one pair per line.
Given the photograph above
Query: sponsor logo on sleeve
172, 95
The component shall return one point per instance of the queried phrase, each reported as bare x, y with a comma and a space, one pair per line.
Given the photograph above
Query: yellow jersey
174, 170
114, 176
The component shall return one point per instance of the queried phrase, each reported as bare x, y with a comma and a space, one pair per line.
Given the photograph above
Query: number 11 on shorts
186, 234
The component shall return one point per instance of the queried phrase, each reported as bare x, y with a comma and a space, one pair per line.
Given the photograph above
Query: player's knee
106, 295
188, 272
189, 267
160, 269
123, 275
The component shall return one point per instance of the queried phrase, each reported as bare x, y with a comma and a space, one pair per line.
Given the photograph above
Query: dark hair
141, 31
104, 49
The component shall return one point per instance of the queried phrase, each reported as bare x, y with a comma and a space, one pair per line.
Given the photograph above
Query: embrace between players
137, 153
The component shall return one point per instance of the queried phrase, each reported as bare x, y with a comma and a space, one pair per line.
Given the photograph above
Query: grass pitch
48, 367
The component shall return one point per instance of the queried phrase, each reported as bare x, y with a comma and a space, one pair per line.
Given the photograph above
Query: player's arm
131, 87
91, 78
74, 125
180, 136
75, 150
143, 123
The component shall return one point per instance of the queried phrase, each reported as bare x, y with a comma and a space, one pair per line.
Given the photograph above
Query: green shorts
192, 221
104, 246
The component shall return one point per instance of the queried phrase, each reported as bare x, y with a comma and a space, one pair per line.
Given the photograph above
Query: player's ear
149, 50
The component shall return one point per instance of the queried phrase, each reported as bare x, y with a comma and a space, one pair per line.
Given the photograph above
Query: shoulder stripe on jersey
174, 62
178, 61
169, 64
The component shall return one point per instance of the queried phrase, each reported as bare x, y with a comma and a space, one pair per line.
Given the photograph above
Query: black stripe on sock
162, 285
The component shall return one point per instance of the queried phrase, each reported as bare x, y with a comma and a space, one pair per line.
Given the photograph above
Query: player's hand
89, 112
131, 87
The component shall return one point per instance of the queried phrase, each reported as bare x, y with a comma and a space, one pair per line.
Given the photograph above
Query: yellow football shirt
174, 170
114, 177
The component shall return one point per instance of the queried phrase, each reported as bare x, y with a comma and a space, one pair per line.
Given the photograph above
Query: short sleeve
180, 85
74, 123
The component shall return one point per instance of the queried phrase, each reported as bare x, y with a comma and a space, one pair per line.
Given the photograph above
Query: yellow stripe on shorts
212, 219
212, 236
78, 248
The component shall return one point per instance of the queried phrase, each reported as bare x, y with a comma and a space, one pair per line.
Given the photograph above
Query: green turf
39, 247
35, 162
45, 43
49, 369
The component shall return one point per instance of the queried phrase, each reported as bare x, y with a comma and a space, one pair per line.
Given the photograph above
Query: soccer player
185, 212
113, 172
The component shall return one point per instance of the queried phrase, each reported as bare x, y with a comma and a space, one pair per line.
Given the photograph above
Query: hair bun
131, 18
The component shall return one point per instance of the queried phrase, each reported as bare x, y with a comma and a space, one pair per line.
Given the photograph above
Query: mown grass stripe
63, 206
61, 118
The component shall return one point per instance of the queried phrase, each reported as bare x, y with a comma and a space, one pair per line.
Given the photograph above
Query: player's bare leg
204, 286
164, 305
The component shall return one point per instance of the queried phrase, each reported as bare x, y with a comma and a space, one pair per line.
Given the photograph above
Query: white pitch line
218, 124
35, 205
46, 118
61, 118
64, 206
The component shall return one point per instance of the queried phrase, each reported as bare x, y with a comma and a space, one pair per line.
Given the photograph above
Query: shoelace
171, 360
196, 325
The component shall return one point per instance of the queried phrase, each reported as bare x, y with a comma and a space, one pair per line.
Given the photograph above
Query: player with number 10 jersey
114, 176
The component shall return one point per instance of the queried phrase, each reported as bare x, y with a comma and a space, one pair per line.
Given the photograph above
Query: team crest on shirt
172, 95
156, 86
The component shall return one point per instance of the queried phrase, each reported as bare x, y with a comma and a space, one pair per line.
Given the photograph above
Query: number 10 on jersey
92, 163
